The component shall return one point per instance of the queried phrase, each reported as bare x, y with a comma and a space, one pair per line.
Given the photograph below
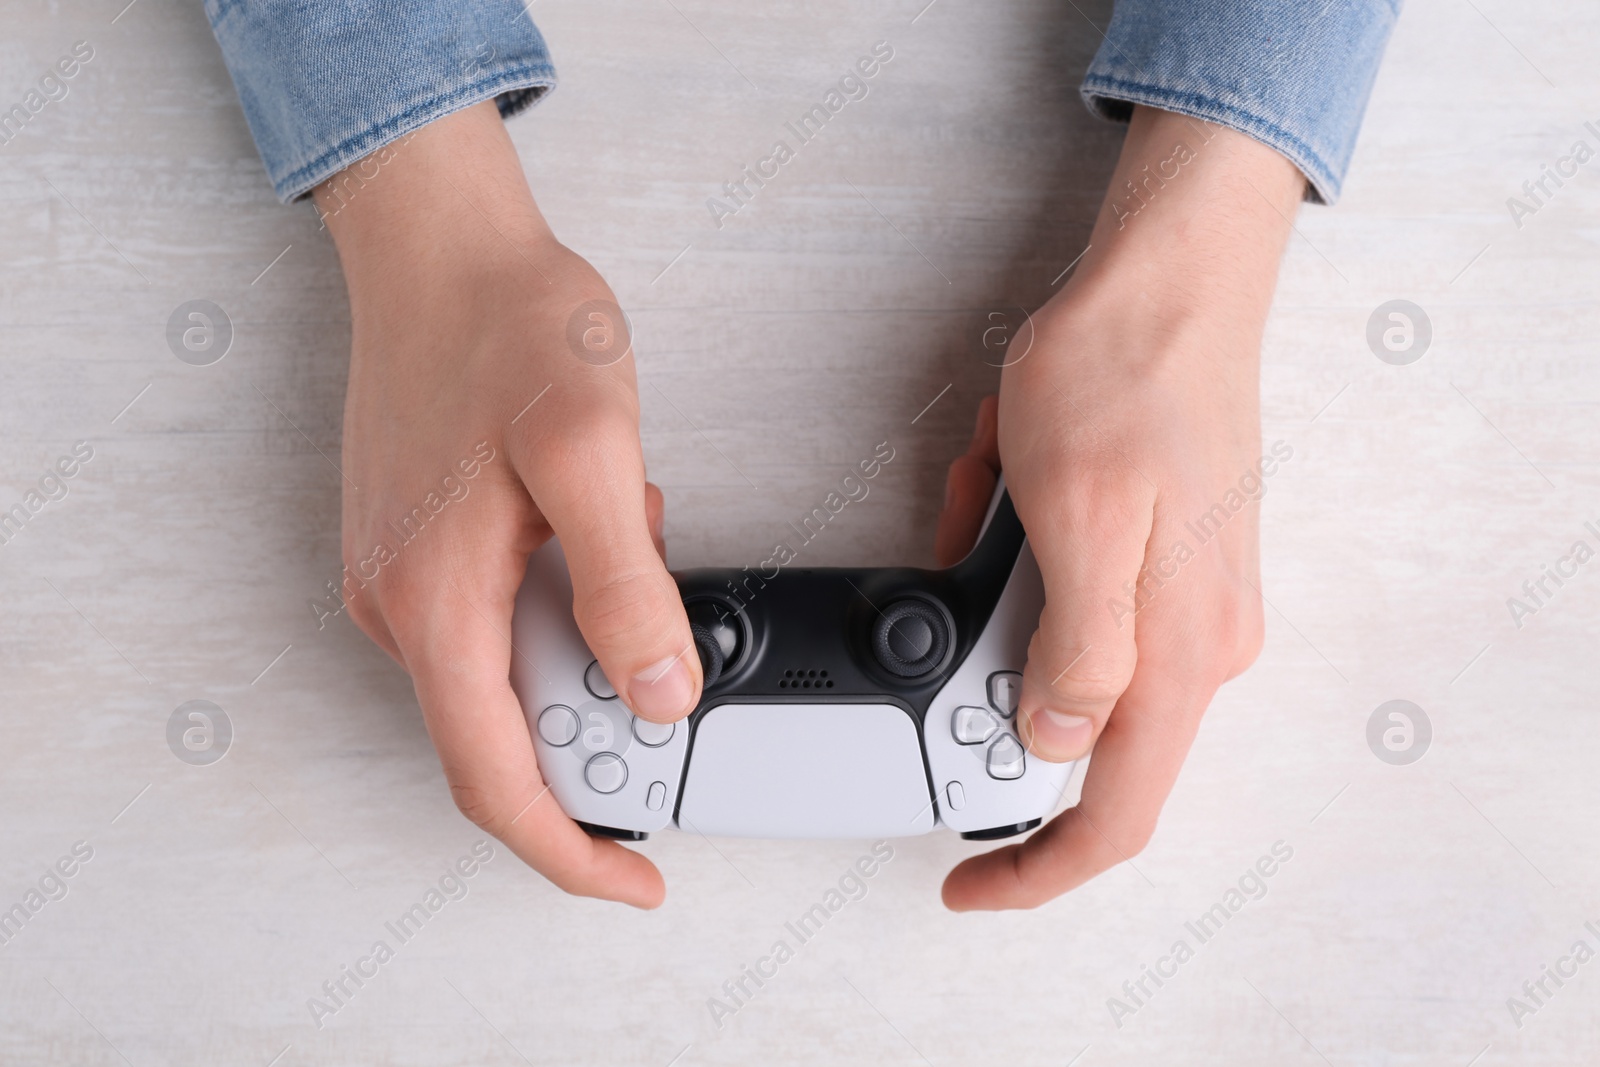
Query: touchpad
806, 770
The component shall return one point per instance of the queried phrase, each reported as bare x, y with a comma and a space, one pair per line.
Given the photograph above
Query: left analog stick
711, 660
717, 635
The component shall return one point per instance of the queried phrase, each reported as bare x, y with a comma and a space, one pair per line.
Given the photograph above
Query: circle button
654, 734
606, 773
558, 725
596, 682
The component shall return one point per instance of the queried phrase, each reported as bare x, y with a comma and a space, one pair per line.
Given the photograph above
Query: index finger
459, 651
1135, 763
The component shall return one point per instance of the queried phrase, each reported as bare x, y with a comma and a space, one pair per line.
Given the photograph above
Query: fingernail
949, 489
1055, 733
662, 691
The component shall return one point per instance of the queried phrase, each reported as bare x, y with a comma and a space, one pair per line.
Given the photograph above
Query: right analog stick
909, 638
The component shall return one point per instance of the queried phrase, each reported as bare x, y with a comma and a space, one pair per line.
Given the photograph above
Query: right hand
461, 300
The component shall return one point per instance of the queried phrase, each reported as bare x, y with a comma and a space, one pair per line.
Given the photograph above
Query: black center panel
813, 629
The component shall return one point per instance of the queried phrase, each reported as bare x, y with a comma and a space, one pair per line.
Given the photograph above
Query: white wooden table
819, 320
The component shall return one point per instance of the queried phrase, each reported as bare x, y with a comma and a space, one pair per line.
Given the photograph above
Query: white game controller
837, 702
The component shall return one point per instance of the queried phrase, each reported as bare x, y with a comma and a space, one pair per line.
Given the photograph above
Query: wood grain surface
840, 308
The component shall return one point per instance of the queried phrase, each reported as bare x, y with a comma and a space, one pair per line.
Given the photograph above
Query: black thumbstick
705, 642
717, 636
909, 638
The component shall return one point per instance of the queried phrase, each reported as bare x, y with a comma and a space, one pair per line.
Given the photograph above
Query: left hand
1133, 417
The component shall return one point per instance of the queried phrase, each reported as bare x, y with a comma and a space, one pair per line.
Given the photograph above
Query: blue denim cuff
1292, 74
325, 83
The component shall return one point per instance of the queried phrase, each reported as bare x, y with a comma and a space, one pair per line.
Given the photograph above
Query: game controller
838, 702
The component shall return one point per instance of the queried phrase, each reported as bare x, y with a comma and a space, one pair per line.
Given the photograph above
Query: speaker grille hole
805, 679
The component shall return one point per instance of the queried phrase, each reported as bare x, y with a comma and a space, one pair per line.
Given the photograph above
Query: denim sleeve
325, 83
1294, 74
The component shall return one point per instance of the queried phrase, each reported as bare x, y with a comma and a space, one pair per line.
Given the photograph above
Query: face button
595, 680
656, 797
558, 725
1006, 758
654, 734
1005, 692
972, 726
909, 638
605, 773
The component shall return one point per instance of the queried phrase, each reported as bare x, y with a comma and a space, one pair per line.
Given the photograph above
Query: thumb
1090, 544
626, 604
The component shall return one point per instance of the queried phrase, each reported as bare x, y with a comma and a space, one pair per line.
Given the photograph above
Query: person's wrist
1191, 231
447, 202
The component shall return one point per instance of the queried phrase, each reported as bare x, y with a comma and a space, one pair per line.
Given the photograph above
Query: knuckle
1087, 676
1135, 837
1121, 838
591, 430
1248, 636
360, 602
1235, 631
358, 575
1034, 880
586, 471
625, 608
365, 614
405, 608
492, 803
485, 807
1091, 687
1208, 636
359, 595
436, 606
1100, 497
